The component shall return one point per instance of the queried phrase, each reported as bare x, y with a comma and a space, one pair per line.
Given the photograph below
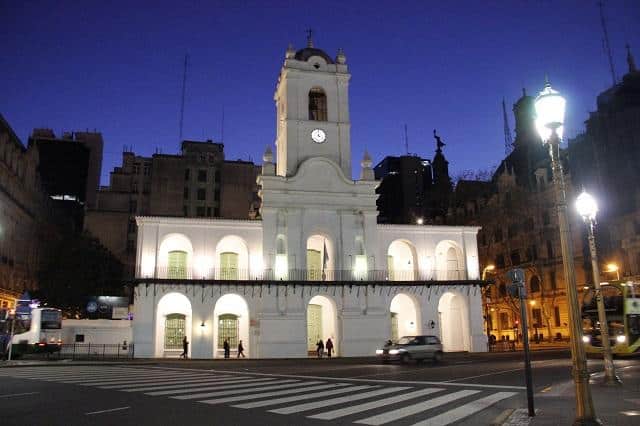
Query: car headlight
394, 352
379, 351
621, 339
586, 339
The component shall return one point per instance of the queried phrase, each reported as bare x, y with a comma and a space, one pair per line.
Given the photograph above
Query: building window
134, 186
177, 265
202, 175
500, 261
200, 211
504, 320
202, 194
532, 252
502, 290
217, 175
228, 266
227, 330
216, 212
556, 316
131, 246
216, 195
147, 169
546, 219
515, 257
136, 168
314, 265
208, 211
552, 280
483, 239
535, 284
317, 105
79, 338
498, 235
513, 230
174, 331
549, 249
133, 206
537, 317
185, 211
132, 226
185, 194
186, 174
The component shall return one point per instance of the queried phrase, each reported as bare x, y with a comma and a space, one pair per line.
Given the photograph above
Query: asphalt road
464, 389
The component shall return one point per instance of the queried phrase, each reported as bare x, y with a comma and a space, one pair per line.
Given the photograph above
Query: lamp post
550, 107
588, 208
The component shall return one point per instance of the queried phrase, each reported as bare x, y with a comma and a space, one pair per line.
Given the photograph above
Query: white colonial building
317, 265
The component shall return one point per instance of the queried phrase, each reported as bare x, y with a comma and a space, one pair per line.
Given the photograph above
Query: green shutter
314, 262
228, 266
228, 329
314, 326
174, 331
177, 265
390, 267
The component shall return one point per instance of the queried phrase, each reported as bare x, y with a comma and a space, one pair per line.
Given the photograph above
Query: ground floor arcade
274, 320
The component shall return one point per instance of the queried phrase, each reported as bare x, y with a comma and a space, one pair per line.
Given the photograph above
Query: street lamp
612, 267
486, 269
588, 208
550, 107
487, 300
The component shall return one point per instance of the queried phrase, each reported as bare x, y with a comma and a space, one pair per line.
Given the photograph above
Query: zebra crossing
365, 402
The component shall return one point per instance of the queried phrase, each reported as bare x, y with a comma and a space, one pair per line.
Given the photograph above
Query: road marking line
173, 381
484, 375
401, 382
330, 415
11, 395
175, 390
191, 384
331, 401
410, 410
106, 411
466, 410
68, 374
123, 381
112, 377
249, 390
286, 392
212, 388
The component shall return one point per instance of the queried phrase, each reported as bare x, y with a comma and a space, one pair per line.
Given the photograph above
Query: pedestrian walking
241, 350
227, 348
185, 348
329, 347
320, 348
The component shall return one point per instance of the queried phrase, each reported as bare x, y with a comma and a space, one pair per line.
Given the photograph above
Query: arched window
228, 329
174, 331
228, 266
317, 105
177, 265
535, 284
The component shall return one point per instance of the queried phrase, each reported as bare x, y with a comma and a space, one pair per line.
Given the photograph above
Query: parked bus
38, 331
622, 306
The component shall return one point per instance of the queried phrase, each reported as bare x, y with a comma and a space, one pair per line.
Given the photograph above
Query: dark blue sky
117, 67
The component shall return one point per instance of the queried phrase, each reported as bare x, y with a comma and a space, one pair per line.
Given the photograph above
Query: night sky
117, 67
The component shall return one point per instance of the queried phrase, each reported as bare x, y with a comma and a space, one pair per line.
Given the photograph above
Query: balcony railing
232, 274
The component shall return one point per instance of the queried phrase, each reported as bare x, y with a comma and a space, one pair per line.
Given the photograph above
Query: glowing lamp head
586, 206
420, 221
550, 107
612, 267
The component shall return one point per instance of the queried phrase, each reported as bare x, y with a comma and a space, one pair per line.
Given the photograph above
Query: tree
79, 267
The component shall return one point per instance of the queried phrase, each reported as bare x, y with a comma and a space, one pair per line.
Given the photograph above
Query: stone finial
268, 168
267, 157
366, 173
291, 52
630, 61
341, 58
309, 37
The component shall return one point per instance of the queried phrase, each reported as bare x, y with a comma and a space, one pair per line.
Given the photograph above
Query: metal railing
233, 274
93, 351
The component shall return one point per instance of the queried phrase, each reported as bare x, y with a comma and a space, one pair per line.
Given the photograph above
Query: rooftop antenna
222, 126
184, 88
406, 140
605, 42
508, 139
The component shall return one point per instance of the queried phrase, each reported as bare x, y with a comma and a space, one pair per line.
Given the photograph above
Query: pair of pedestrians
227, 349
321, 347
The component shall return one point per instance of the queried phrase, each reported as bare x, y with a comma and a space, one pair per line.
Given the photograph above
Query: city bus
37, 331
622, 306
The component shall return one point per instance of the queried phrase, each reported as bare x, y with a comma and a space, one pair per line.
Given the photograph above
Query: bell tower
312, 104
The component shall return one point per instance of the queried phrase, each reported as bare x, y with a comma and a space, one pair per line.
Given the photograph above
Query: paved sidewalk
618, 406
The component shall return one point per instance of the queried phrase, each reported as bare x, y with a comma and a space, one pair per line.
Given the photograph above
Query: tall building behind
198, 182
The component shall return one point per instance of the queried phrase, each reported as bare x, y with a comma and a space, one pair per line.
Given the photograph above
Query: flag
325, 255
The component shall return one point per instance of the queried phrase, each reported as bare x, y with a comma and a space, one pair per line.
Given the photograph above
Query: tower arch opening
450, 263
322, 323
320, 258
317, 104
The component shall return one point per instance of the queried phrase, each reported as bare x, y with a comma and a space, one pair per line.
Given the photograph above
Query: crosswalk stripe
140, 379
115, 376
347, 411
62, 374
223, 393
142, 383
332, 401
466, 410
191, 384
293, 398
211, 388
410, 410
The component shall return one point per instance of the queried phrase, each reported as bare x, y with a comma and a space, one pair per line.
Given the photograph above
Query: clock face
318, 135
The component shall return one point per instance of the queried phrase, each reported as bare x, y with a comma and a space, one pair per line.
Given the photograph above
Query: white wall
100, 331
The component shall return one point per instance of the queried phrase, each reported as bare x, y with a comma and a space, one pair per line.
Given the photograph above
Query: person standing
185, 348
227, 348
241, 350
320, 348
329, 347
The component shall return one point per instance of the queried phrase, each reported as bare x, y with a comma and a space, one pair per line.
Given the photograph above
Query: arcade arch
232, 258
175, 256
449, 261
231, 322
402, 261
405, 317
173, 323
322, 322
454, 322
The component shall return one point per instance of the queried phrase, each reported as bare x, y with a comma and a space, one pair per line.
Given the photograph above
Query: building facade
316, 265
198, 182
